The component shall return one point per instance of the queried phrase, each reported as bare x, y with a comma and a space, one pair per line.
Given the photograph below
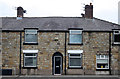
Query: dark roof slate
57, 23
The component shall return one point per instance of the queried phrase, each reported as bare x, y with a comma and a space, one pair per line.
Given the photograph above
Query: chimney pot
90, 3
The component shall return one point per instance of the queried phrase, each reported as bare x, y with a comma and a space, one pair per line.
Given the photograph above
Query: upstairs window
102, 62
75, 36
116, 37
31, 36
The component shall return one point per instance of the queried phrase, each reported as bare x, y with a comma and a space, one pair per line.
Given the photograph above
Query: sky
102, 9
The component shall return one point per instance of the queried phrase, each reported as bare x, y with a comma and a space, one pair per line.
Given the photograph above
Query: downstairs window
102, 62
75, 60
30, 58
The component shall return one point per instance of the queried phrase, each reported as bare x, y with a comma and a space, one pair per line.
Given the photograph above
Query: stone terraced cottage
60, 45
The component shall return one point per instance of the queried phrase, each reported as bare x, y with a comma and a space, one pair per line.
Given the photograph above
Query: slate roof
57, 23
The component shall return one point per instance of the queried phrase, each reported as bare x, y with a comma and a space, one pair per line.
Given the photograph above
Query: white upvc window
116, 36
102, 61
30, 58
31, 36
75, 60
75, 36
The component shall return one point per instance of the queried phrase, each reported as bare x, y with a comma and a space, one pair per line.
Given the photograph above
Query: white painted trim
35, 31
30, 51
118, 31
75, 51
116, 42
75, 30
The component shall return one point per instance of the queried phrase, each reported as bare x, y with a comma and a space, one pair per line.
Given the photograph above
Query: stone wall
50, 42
115, 50
11, 51
93, 43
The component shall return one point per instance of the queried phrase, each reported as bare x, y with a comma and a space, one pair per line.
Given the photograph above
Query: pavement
63, 77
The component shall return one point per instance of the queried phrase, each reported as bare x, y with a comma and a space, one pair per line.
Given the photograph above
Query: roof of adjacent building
57, 23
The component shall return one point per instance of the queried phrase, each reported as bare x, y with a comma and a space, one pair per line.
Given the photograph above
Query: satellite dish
24, 11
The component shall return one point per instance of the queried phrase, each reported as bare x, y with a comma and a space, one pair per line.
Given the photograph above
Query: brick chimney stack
89, 11
20, 12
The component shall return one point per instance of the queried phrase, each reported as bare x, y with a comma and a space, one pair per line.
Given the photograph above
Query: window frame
31, 34
114, 36
30, 52
80, 57
102, 58
76, 34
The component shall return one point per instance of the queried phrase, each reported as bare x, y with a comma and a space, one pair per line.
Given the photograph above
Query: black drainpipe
65, 51
110, 52
20, 53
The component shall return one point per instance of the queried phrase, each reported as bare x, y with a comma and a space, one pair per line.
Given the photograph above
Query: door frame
60, 65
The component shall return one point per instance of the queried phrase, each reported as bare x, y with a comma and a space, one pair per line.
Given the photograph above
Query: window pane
34, 61
74, 54
30, 61
98, 56
102, 61
31, 38
117, 38
75, 62
76, 32
102, 65
31, 31
102, 56
30, 54
106, 56
77, 38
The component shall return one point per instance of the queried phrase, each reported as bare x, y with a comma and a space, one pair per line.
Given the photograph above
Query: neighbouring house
60, 45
